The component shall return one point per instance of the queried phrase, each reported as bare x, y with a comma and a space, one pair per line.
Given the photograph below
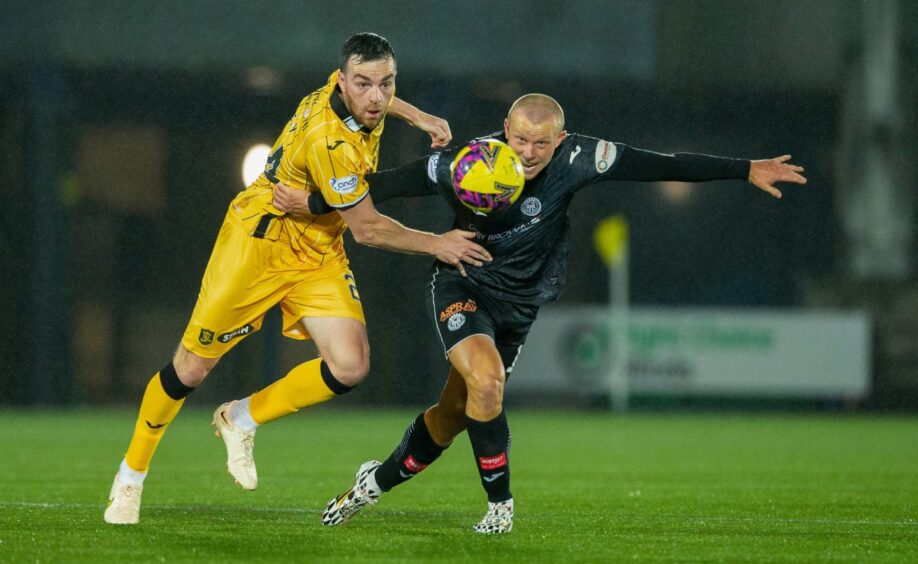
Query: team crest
206, 337
456, 321
531, 206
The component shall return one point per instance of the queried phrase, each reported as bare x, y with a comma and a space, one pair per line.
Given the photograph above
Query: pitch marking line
299, 510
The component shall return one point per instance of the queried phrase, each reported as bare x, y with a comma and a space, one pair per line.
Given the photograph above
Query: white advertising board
700, 352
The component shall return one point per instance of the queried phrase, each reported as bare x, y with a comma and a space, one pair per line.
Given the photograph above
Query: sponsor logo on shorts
456, 321
492, 462
344, 185
206, 337
244, 330
413, 465
605, 155
467, 305
531, 206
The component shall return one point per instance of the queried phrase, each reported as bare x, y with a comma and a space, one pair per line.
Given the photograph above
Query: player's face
534, 142
367, 87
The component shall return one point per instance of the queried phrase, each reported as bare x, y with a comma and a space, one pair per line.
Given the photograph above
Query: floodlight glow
254, 162
676, 193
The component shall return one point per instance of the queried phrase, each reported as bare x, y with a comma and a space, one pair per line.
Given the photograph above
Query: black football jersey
529, 240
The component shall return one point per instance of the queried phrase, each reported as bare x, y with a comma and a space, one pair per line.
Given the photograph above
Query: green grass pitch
588, 487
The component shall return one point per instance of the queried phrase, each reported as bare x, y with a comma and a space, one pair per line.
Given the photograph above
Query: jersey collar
337, 105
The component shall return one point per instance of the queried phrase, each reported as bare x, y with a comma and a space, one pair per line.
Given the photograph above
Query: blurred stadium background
125, 125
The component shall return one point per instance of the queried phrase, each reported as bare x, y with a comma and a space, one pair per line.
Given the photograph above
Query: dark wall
127, 273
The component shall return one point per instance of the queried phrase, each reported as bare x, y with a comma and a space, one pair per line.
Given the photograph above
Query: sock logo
492, 462
152, 426
492, 477
413, 465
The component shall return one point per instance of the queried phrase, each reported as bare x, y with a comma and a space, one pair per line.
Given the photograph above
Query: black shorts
461, 309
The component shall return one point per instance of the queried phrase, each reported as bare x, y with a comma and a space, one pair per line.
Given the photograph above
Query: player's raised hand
457, 246
437, 128
290, 200
763, 174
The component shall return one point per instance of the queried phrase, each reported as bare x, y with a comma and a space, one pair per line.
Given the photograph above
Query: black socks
415, 453
491, 445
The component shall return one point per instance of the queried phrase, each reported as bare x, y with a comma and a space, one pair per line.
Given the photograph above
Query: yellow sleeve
338, 172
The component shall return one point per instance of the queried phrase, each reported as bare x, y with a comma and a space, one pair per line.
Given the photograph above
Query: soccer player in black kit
484, 313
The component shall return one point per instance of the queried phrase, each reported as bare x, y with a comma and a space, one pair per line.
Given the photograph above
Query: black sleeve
642, 165
406, 181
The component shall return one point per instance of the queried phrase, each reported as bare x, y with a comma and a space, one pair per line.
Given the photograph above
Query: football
487, 176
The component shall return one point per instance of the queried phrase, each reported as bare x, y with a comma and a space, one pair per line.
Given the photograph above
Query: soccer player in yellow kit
264, 257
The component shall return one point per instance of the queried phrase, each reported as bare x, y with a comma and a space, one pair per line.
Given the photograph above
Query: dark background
124, 126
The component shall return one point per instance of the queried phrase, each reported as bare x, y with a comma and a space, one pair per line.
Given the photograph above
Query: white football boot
239, 447
498, 519
123, 503
363, 492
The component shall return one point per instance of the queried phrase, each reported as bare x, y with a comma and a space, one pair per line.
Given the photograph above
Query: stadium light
676, 193
254, 162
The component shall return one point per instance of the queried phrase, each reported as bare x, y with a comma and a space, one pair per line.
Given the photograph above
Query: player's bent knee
190, 368
172, 385
340, 377
486, 384
486, 395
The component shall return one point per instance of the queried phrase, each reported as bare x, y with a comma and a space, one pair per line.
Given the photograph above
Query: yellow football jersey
322, 148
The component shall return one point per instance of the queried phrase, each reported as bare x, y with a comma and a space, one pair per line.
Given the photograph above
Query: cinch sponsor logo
492, 462
468, 305
244, 330
413, 465
344, 185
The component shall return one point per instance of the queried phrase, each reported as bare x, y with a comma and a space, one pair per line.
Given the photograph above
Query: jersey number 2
352, 286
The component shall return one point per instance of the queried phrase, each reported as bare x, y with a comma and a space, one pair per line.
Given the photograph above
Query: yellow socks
162, 400
307, 384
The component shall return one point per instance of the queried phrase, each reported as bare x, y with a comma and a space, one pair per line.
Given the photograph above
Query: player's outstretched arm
370, 227
648, 166
436, 127
406, 181
763, 174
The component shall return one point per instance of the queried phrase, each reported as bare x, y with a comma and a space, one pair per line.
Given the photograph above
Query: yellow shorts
246, 276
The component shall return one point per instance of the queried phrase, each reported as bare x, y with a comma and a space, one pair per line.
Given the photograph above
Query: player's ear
341, 79
507, 128
561, 137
